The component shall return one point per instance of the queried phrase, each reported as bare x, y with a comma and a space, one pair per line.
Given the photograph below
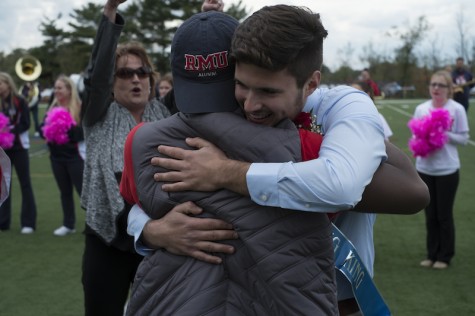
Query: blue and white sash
348, 261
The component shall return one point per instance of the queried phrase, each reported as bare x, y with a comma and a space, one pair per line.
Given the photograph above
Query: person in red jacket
366, 77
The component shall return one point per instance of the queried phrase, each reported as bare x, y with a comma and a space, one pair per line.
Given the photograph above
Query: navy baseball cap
202, 68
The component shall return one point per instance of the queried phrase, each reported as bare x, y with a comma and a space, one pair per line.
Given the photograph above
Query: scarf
105, 159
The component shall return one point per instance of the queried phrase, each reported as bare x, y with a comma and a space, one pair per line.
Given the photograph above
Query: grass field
40, 274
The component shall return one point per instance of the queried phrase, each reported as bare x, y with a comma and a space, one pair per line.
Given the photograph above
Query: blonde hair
5, 77
74, 104
448, 81
9, 81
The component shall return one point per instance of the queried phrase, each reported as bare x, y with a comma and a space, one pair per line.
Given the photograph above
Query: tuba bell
28, 68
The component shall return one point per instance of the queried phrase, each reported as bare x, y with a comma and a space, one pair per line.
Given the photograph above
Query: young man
283, 95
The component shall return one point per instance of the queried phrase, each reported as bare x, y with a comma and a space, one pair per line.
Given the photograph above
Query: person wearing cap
141, 146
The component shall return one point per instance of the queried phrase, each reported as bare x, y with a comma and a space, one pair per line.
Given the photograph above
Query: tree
84, 24
462, 28
405, 54
154, 25
48, 53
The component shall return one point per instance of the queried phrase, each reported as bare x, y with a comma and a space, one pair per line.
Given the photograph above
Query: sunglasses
128, 73
438, 85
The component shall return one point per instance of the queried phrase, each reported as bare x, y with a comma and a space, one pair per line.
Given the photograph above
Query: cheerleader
15, 121
439, 126
64, 136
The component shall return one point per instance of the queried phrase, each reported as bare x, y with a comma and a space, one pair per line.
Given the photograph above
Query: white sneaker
27, 230
63, 231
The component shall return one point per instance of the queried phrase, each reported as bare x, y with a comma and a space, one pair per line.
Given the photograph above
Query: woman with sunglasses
439, 167
119, 95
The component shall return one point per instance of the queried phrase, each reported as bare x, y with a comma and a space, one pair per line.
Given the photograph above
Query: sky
351, 24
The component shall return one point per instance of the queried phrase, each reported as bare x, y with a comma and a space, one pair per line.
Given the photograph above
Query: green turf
40, 274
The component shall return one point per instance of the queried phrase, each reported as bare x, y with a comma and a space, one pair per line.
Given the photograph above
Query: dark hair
281, 37
364, 86
135, 48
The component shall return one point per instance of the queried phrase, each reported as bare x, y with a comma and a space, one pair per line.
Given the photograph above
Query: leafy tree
155, 24
84, 27
405, 53
238, 10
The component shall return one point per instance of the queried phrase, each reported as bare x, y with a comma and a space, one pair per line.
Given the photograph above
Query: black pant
67, 175
34, 114
107, 275
463, 99
439, 216
21, 162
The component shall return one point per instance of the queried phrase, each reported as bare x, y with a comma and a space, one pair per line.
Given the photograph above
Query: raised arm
98, 77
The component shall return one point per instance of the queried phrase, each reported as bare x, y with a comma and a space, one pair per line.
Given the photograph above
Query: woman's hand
212, 5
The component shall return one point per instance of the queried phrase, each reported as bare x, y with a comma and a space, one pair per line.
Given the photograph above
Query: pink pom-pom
57, 124
6, 137
429, 132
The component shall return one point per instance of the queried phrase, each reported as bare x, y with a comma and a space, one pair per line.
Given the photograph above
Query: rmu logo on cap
211, 62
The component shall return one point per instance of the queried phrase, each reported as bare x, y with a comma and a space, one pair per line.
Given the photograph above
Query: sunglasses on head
127, 73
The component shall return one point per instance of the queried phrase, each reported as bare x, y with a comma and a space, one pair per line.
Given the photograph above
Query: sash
348, 262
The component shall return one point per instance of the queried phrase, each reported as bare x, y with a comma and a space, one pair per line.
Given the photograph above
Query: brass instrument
28, 68
458, 88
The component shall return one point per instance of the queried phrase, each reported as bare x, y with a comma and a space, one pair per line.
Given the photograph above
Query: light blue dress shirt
352, 149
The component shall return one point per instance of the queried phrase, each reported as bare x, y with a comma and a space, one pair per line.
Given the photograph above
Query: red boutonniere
307, 121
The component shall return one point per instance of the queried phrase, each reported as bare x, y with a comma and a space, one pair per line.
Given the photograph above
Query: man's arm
350, 154
180, 233
396, 183
192, 166
395, 188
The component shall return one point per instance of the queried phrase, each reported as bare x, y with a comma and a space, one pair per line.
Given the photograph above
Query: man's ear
312, 83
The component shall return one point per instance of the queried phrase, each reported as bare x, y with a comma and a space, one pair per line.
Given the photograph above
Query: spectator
439, 168
15, 108
463, 80
365, 76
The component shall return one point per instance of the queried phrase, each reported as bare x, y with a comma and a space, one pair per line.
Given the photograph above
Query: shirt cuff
262, 183
135, 223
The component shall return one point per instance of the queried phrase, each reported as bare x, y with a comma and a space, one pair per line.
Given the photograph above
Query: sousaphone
28, 68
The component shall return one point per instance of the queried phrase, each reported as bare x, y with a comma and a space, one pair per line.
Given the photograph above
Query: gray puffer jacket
283, 264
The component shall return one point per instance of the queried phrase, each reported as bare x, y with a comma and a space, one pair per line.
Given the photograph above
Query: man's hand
182, 234
212, 5
192, 169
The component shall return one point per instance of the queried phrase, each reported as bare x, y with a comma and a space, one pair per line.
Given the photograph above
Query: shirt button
264, 197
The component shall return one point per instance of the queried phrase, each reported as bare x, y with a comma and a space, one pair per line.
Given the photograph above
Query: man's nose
252, 102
